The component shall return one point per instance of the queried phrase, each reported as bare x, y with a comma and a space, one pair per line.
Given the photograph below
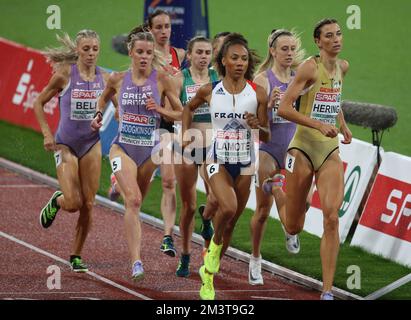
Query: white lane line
269, 298
391, 287
11, 186
52, 256
196, 291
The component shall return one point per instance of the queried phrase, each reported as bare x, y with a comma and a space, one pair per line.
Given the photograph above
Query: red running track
27, 250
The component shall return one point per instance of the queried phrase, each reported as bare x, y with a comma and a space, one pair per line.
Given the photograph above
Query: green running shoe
212, 258
183, 269
77, 264
48, 213
207, 287
207, 230
167, 246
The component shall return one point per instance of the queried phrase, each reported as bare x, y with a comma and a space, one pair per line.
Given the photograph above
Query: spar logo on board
388, 208
350, 188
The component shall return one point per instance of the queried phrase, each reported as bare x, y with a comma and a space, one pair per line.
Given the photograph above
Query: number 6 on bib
212, 169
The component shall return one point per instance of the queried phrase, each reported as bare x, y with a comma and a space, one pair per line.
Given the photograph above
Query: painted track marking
61, 260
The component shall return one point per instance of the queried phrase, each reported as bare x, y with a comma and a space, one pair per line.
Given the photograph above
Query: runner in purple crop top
274, 74
135, 150
77, 148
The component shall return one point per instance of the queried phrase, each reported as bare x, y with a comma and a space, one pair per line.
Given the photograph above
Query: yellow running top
321, 101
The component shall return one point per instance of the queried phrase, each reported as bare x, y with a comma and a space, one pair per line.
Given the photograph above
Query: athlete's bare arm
111, 89
181, 53
306, 75
260, 120
345, 131
114, 100
167, 88
262, 80
344, 65
56, 84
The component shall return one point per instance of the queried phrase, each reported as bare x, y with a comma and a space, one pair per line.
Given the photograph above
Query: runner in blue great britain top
135, 150
237, 106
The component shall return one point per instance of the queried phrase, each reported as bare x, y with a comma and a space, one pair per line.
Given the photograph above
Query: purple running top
78, 103
282, 130
137, 134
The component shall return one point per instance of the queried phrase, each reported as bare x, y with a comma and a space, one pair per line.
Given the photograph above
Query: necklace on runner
233, 102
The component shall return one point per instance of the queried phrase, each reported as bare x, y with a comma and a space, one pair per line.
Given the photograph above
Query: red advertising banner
385, 224
24, 73
388, 210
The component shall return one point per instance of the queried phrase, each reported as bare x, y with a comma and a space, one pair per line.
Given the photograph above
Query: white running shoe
328, 295
292, 242
254, 271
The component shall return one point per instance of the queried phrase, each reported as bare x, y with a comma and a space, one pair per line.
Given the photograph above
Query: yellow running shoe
207, 287
212, 258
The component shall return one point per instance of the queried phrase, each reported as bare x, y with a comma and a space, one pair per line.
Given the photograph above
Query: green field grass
26, 147
379, 66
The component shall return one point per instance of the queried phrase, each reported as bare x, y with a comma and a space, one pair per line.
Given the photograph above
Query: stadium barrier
24, 73
385, 224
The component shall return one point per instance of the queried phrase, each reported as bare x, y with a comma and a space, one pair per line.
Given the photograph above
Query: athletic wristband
98, 112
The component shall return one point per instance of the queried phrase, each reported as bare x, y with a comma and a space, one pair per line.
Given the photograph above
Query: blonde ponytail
67, 53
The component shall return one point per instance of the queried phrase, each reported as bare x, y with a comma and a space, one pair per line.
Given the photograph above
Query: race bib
191, 91
212, 169
274, 110
138, 130
116, 164
289, 162
83, 104
256, 180
326, 105
58, 157
233, 146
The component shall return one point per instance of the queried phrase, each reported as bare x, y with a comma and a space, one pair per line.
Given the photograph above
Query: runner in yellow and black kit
314, 148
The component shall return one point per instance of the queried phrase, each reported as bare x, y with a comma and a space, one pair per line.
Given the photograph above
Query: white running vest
232, 141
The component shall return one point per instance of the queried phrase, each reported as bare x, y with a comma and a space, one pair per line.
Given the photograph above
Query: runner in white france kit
232, 139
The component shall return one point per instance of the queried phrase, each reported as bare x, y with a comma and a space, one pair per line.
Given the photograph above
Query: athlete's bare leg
168, 179
68, 176
130, 191
330, 185
222, 188
89, 171
298, 186
267, 166
187, 178
211, 204
242, 191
